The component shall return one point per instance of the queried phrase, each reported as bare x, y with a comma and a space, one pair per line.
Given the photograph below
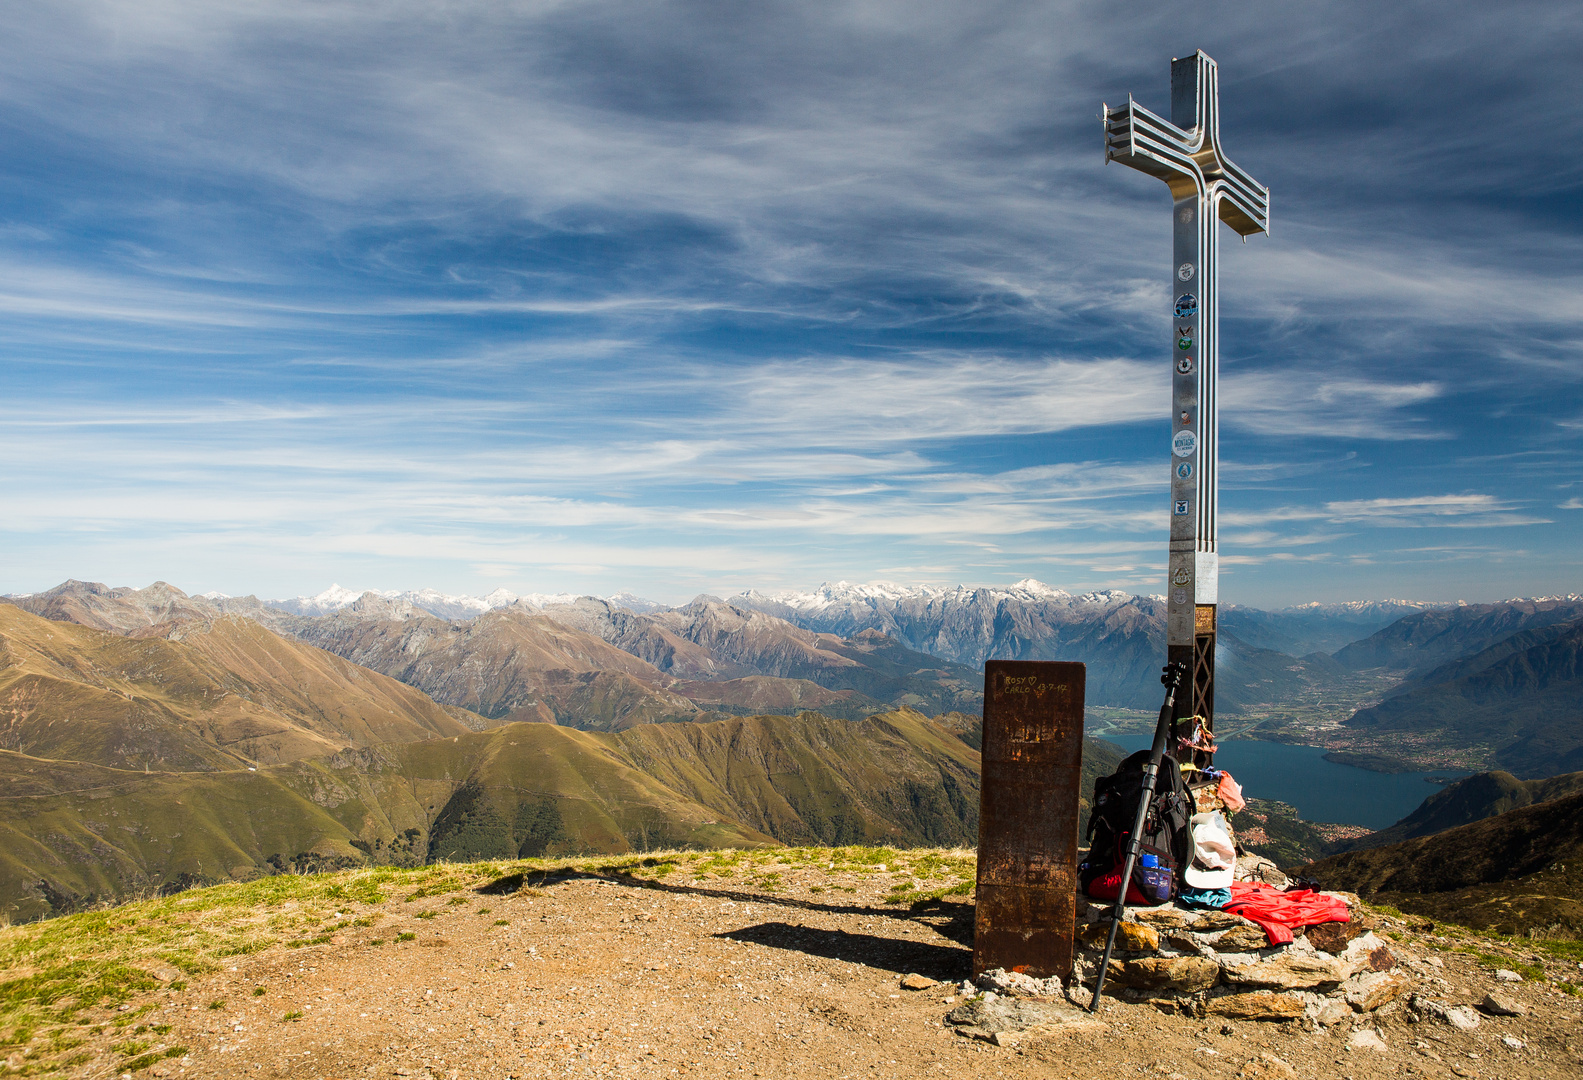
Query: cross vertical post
1205, 187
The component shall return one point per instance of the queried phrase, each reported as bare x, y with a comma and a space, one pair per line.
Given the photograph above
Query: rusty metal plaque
1027, 826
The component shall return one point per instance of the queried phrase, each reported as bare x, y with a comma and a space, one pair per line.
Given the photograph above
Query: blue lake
1321, 790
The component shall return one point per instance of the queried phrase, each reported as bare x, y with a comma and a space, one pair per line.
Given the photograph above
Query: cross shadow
945, 963
951, 919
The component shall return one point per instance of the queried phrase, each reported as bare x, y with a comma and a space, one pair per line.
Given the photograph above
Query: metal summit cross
1185, 152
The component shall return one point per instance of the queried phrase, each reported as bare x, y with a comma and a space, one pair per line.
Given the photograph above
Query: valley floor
731, 964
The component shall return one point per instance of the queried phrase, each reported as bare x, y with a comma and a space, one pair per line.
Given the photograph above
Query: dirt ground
614, 975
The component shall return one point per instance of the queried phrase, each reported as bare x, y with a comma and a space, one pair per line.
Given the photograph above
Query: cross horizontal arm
1152, 144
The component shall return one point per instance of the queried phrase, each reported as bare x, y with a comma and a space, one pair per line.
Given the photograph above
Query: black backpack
1115, 807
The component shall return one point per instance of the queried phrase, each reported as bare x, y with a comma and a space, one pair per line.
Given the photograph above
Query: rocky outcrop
1216, 963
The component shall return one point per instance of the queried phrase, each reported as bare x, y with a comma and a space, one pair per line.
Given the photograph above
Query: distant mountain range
153, 739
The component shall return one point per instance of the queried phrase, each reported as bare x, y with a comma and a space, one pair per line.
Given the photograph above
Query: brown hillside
510, 663
215, 696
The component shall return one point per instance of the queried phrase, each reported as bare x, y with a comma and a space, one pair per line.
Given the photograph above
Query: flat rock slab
1259, 1005
1186, 974
1288, 972
1004, 1021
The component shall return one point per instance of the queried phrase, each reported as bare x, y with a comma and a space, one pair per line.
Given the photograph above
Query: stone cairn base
1217, 964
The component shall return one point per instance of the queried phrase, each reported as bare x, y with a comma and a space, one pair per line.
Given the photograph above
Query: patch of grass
453, 901
483, 911
408, 935
910, 894
377, 942
259, 991
297, 1015
432, 914
219, 1003
507, 922
317, 939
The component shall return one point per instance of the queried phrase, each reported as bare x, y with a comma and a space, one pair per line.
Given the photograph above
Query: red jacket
1279, 912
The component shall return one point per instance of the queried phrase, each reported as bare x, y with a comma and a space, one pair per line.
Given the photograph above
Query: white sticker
1184, 444
1185, 272
1185, 215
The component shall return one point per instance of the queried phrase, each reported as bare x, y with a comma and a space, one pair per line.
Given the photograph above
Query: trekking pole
1171, 677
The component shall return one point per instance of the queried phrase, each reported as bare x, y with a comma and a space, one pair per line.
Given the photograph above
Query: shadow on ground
947, 963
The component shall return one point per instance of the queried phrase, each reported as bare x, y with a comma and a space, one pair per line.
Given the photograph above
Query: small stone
1221, 920
1165, 918
1500, 1003
1186, 974
1512, 1043
1268, 1067
1505, 975
162, 972
1005, 1038
917, 982
1015, 982
1332, 937
1260, 1005
1458, 1016
1130, 937
1367, 1039
1382, 959
1288, 972
1372, 989
1241, 939
1327, 1011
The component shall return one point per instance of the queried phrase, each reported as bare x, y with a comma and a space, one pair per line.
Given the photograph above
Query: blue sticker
1181, 506
1186, 306
1183, 471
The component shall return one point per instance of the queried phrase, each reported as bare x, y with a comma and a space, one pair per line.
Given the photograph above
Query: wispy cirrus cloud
444, 294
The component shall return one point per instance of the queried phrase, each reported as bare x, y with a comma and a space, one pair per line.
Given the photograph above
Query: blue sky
696, 296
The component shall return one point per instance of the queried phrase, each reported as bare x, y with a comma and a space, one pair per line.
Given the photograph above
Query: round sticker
1185, 215
1184, 365
1186, 306
1179, 597
1183, 342
1184, 444
1185, 272
1181, 577
1183, 471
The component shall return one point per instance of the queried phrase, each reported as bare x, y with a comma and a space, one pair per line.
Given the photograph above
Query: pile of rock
1215, 963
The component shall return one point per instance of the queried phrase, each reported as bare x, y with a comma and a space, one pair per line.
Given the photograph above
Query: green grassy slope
76, 832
